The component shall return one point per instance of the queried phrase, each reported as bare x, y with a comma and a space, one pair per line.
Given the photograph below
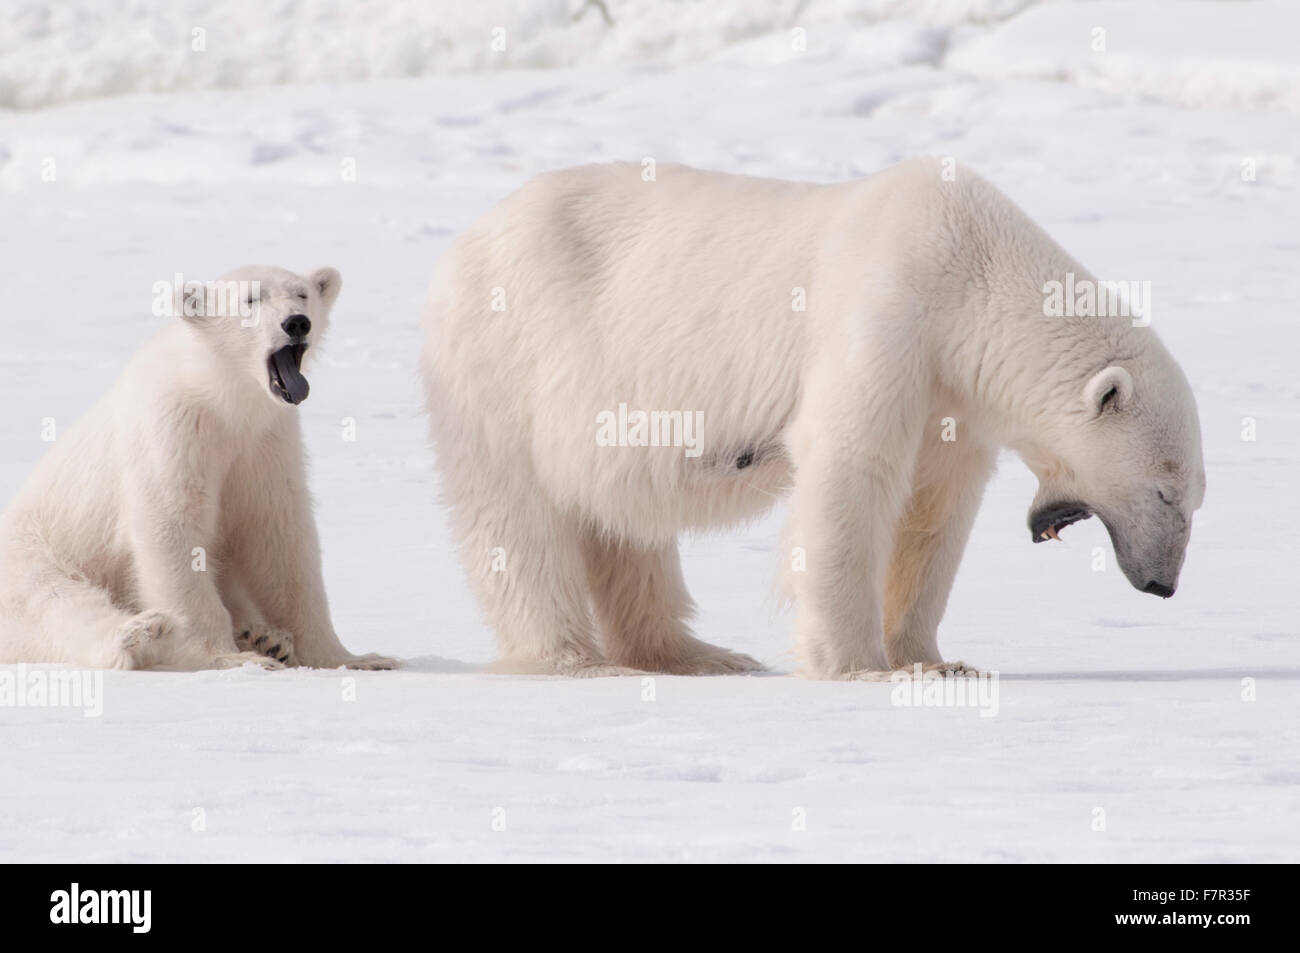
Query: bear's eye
251, 299
302, 295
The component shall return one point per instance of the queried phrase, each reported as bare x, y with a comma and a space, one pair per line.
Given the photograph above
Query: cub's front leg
267, 641
276, 555
252, 632
171, 521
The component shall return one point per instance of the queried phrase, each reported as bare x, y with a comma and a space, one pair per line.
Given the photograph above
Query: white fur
924, 301
190, 449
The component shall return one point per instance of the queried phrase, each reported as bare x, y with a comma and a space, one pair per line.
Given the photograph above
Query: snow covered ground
1171, 156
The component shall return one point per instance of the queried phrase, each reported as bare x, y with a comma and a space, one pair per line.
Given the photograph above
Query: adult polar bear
591, 290
196, 447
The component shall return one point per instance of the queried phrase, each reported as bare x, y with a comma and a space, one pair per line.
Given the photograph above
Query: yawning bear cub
171, 526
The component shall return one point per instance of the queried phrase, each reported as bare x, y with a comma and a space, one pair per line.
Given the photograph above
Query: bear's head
262, 321
1131, 454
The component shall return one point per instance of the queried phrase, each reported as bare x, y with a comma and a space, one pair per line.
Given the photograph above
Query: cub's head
263, 321
1130, 452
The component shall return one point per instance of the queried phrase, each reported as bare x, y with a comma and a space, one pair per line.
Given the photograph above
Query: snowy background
167, 158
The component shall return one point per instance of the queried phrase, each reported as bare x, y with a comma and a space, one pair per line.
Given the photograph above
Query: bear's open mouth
1048, 521
284, 368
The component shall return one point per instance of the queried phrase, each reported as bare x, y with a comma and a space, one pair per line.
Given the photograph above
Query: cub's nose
1159, 589
296, 325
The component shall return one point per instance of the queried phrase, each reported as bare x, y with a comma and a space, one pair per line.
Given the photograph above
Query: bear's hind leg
524, 561
642, 605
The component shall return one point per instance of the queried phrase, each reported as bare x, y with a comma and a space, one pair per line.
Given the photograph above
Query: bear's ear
1109, 389
190, 299
327, 282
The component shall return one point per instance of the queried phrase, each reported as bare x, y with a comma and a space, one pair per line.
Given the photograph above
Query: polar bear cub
611, 361
171, 526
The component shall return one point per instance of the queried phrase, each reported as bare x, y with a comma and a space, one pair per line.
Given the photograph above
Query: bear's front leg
948, 484
837, 568
853, 465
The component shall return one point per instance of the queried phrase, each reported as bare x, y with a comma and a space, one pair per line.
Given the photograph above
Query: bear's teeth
1050, 533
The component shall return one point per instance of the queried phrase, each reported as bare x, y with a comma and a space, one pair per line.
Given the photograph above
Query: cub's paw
276, 644
372, 662
141, 640
240, 659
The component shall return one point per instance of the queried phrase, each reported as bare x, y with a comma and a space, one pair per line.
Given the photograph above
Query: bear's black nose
296, 325
1159, 589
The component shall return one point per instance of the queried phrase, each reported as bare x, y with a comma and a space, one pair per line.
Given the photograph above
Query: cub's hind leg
64, 619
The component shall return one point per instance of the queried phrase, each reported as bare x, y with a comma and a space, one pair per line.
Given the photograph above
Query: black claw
273, 649
261, 639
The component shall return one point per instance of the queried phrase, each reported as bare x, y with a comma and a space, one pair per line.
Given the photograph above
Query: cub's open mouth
1048, 522
284, 368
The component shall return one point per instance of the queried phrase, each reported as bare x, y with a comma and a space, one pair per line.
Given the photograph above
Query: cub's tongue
287, 360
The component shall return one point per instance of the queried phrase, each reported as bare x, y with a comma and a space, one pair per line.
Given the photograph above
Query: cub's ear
1110, 388
327, 282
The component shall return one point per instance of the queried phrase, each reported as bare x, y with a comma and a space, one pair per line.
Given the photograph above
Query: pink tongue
286, 361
